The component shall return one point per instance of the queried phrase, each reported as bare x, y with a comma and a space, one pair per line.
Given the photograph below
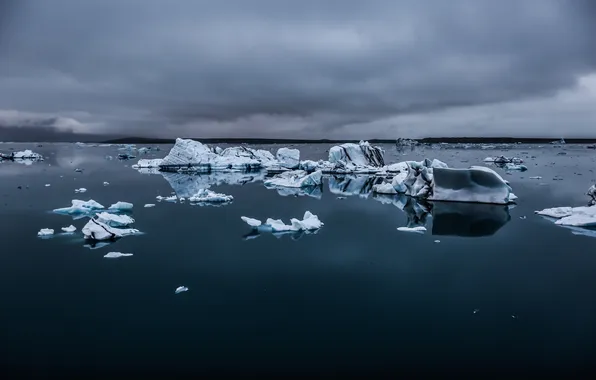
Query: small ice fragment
81, 190
122, 206
513, 316
69, 229
106, 183
476, 311
437, 241
536, 177
417, 229
45, 232
149, 205
181, 289
341, 198
78, 170
48, 185
115, 255
166, 199
251, 222
522, 217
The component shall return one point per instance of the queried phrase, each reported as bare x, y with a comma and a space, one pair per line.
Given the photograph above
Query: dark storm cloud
156, 66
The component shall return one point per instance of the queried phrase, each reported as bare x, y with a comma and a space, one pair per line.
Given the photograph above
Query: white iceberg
80, 208
70, 229
288, 158
45, 232
181, 289
114, 220
96, 230
361, 157
295, 178
81, 190
208, 196
571, 216
417, 229
171, 198
148, 205
477, 184
121, 206
116, 255
309, 222
145, 163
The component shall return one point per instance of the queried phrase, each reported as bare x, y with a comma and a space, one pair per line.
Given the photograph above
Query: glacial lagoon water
485, 287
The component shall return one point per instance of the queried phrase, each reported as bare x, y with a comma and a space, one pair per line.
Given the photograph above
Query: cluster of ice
171, 198
288, 158
504, 160
208, 196
98, 230
22, 155
309, 222
296, 179
45, 232
148, 163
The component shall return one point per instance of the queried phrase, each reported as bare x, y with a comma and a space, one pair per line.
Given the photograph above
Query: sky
340, 69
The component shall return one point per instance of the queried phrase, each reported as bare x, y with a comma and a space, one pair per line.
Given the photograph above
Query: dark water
497, 292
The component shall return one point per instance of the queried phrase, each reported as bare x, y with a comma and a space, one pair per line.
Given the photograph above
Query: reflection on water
468, 219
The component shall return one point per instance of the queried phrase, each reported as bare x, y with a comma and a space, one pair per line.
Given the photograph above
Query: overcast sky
300, 68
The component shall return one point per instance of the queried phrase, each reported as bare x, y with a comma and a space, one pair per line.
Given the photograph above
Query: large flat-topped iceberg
476, 184
295, 178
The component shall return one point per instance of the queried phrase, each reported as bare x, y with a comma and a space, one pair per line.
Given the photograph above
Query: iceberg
80, 208
208, 196
288, 158
121, 206
477, 184
418, 229
114, 220
81, 190
45, 232
521, 168
180, 289
308, 222
361, 157
571, 216
148, 163
504, 160
96, 230
23, 155
70, 229
592, 194
171, 198
295, 178
149, 205
116, 255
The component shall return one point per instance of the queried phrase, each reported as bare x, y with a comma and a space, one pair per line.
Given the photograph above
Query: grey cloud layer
153, 66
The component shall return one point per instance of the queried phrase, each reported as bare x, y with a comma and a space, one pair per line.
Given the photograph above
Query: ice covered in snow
295, 178
194, 156
80, 208
288, 158
418, 229
417, 180
181, 289
45, 232
208, 196
116, 255
80, 190
571, 216
309, 222
114, 220
145, 163
251, 221
96, 230
121, 206
171, 198
69, 229
360, 157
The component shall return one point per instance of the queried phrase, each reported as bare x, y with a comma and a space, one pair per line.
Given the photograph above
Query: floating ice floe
121, 206
116, 255
208, 196
309, 222
504, 160
295, 178
80, 208
288, 158
171, 198
70, 229
45, 232
572, 216
417, 229
521, 168
114, 220
181, 289
535, 177
148, 205
97, 230
81, 190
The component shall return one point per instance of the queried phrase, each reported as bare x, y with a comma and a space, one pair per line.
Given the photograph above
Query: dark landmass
46, 134
428, 140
